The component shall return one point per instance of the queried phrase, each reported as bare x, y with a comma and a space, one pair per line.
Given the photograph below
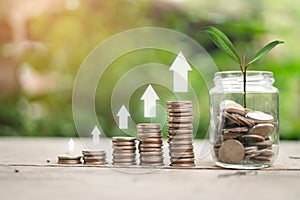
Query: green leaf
265, 50
222, 42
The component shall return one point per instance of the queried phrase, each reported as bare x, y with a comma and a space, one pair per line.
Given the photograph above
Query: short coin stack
69, 159
94, 157
180, 133
150, 144
244, 135
124, 151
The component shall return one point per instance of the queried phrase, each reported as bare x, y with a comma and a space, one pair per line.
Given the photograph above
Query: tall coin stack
180, 133
150, 145
94, 157
124, 151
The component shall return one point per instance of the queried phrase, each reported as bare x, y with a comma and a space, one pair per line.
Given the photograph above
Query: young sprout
226, 46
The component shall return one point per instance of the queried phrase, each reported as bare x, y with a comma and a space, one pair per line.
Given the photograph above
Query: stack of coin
124, 151
244, 135
94, 157
180, 133
69, 159
150, 144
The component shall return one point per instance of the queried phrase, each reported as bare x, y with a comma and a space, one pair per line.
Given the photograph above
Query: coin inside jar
263, 130
231, 152
260, 117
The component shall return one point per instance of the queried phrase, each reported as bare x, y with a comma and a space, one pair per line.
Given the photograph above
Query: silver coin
94, 160
126, 153
151, 145
69, 157
148, 126
151, 140
176, 132
237, 129
183, 165
122, 139
230, 104
264, 144
122, 151
94, 163
124, 163
244, 121
264, 130
121, 148
180, 119
185, 102
180, 110
231, 151
238, 111
154, 157
173, 106
94, 157
182, 155
149, 132
252, 138
250, 156
152, 164
178, 123
152, 136
124, 143
172, 129
91, 151
152, 160
180, 126
94, 153
182, 160
261, 158
69, 161
181, 137
181, 148
179, 114
259, 116
231, 118
158, 153
124, 156
153, 149
181, 142
191, 150
251, 149
122, 160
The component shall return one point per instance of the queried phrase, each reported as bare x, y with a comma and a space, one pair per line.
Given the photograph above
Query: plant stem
244, 70
244, 92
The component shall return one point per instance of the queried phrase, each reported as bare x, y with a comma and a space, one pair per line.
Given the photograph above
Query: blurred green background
44, 42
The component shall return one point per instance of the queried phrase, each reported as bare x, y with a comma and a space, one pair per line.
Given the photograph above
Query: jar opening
236, 77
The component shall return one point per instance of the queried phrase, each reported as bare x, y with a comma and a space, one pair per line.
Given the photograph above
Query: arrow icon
96, 133
180, 67
71, 144
149, 98
123, 115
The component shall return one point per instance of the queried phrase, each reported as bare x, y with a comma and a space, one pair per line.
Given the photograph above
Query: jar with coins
244, 127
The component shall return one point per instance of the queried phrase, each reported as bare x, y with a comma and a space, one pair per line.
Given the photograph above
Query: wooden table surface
28, 170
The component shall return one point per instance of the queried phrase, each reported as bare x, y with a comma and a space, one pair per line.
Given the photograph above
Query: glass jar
244, 137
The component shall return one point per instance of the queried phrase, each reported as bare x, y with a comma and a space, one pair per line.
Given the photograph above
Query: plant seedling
226, 46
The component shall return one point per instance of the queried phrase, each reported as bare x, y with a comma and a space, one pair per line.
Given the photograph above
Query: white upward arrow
149, 98
123, 115
71, 144
96, 133
180, 77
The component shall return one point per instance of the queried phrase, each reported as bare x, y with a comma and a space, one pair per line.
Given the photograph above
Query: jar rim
249, 72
